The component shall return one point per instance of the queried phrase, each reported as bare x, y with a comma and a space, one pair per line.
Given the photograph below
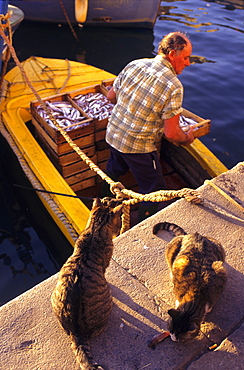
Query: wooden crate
53, 132
101, 147
60, 152
90, 138
202, 126
106, 85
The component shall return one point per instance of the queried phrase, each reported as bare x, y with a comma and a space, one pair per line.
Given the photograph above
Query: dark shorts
145, 167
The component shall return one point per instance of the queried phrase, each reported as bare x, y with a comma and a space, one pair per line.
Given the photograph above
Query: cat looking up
82, 299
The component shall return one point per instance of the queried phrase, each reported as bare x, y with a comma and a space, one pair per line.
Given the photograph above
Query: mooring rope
68, 20
4, 20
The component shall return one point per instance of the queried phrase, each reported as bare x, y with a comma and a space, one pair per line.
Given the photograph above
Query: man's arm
173, 132
112, 96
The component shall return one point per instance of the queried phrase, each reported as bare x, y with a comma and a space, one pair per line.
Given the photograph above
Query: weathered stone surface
31, 337
229, 355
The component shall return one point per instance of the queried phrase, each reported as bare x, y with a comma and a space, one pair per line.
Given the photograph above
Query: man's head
176, 48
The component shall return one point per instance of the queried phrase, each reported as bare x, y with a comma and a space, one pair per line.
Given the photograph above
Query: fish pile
95, 105
64, 113
186, 122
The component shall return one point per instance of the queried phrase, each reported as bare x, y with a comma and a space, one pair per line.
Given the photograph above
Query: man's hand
190, 135
174, 133
112, 95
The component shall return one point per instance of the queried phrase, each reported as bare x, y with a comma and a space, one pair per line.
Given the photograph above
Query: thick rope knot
116, 188
191, 195
3, 19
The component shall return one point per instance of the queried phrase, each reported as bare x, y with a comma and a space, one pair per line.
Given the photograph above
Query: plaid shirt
148, 92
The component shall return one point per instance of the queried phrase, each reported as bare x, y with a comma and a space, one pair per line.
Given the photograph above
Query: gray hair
173, 41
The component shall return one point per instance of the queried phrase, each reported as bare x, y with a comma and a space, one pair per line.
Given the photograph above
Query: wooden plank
184, 164
102, 165
76, 167
101, 145
82, 142
202, 126
101, 125
106, 85
72, 157
85, 90
83, 185
43, 136
80, 177
103, 155
100, 135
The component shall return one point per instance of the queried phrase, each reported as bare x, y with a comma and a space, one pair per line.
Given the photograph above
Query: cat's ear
219, 268
181, 262
173, 313
96, 203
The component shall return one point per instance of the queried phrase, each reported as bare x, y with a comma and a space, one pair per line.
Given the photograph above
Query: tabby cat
82, 299
198, 275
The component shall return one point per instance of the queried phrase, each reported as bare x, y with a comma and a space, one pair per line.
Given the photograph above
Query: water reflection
21, 265
229, 4
166, 14
25, 233
107, 47
14, 234
169, 13
198, 59
22, 257
24, 253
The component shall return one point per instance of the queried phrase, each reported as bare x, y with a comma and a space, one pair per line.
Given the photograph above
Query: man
148, 101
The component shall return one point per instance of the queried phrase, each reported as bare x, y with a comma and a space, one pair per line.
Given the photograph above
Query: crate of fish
80, 129
66, 114
93, 101
200, 125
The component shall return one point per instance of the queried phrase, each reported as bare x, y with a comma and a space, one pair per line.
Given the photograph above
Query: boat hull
119, 13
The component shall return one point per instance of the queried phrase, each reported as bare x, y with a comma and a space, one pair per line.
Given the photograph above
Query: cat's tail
168, 226
83, 355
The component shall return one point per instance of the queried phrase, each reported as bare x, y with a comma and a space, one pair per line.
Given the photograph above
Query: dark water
29, 253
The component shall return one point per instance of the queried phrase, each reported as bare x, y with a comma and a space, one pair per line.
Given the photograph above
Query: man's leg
115, 168
147, 171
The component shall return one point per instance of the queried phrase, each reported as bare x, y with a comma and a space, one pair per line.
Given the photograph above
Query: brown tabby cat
198, 275
82, 299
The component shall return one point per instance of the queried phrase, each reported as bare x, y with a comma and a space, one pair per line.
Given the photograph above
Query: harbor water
213, 88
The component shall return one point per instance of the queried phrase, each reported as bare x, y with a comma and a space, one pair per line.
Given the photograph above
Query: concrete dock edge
31, 338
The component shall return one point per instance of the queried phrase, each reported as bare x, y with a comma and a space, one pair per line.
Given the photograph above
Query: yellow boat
50, 77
